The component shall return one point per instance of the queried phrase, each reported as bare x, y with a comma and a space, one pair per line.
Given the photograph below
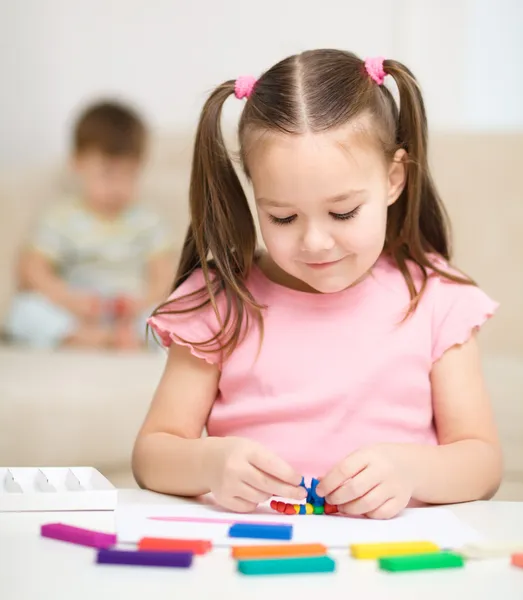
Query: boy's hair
112, 129
314, 91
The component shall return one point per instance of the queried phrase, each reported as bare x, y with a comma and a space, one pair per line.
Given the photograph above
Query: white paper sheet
190, 520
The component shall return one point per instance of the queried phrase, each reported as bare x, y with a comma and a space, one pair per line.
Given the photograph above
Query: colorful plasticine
373, 551
490, 549
419, 562
78, 535
313, 498
302, 509
517, 560
284, 566
261, 531
314, 504
146, 559
278, 551
175, 545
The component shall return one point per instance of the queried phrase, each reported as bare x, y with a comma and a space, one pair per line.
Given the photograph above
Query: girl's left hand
374, 481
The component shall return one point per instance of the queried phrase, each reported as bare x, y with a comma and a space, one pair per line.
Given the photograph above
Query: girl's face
322, 203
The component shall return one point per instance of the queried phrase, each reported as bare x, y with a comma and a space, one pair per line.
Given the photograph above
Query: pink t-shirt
336, 371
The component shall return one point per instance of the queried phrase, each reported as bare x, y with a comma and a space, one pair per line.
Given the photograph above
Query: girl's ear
397, 176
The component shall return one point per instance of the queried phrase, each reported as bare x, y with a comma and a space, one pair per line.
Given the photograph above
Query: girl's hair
315, 91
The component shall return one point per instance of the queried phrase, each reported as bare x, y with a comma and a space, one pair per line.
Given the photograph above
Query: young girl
347, 351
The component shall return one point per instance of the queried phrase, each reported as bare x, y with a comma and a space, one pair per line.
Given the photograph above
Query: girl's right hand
242, 474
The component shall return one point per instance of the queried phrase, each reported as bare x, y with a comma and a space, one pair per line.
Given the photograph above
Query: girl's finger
344, 470
389, 509
239, 505
273, 465
251, 494
372, 500
355, 487
273, 487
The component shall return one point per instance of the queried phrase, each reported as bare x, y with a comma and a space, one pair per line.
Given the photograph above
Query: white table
33, 568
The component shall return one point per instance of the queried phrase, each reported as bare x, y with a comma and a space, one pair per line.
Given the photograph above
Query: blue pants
35, 321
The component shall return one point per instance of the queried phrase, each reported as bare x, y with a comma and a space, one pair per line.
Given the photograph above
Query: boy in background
97, 263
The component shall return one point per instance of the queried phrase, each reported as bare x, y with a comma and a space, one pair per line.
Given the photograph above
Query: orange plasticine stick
278, 551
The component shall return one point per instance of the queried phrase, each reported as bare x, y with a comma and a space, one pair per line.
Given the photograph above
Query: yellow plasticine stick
364, 551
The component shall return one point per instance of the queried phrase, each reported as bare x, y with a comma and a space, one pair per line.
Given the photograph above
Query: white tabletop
32, 567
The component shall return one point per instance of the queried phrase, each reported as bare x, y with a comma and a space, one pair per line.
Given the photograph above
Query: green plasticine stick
418, 562
283, 566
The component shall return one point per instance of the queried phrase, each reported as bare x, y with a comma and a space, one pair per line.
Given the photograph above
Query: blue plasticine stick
261, 531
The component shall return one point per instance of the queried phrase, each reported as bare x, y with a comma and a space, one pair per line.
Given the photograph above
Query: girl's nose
316, 240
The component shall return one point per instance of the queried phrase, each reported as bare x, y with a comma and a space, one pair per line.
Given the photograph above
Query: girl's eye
283, 221
345, 216
337, 216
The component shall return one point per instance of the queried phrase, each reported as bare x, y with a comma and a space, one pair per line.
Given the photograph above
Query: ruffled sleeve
190, 328
458, 310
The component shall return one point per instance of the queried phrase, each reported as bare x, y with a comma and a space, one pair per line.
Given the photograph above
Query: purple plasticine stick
146, 559
77, 535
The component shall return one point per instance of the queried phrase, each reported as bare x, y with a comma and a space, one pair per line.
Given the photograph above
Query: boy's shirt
94, 254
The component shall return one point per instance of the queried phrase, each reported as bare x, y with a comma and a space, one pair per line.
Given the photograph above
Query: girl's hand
85, 306
375, 482
242, 474
126, 308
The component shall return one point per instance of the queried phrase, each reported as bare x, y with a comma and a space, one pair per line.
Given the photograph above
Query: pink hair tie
374, 67
243, 86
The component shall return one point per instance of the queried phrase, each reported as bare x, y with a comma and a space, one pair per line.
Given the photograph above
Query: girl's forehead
327, 160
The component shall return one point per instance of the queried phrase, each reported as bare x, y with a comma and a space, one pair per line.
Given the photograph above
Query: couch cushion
73, 408
504, 378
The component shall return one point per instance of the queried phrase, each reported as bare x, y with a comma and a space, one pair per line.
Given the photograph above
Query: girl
348, 349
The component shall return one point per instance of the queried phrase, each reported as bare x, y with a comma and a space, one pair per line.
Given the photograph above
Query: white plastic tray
55, 489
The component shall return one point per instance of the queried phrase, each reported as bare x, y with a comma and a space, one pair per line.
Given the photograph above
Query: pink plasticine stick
77, 535
213, 521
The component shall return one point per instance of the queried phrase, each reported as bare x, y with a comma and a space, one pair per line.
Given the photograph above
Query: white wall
494, 64
165, 55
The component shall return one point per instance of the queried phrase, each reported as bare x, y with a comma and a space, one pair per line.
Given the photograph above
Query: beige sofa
85, 408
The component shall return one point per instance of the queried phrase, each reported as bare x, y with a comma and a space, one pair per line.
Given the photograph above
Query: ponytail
418, 225
221, 237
